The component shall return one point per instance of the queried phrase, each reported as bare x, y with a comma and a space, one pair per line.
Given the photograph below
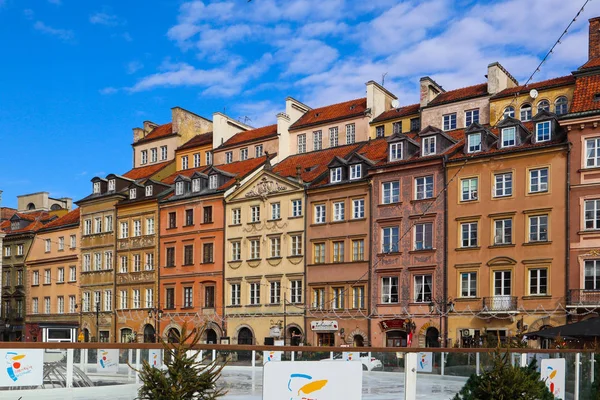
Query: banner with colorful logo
553, 372
269, 356
325, 380
351, 356
425, 362
155, 358
108, 361
22, 367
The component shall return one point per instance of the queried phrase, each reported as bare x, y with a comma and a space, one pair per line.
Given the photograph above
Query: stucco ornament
266, 187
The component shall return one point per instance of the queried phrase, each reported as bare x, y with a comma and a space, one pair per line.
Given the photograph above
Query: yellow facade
191, 153
389, 125
271, 256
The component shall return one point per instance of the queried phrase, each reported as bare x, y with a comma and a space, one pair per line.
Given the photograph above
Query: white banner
108, 360
553, 372
425, 362
22, 367
351, 356
324, 380
155, 358
271, 356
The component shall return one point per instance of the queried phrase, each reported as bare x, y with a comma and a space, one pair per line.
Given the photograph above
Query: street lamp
156, 314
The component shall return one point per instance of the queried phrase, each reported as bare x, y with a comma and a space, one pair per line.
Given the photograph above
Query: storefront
324, 332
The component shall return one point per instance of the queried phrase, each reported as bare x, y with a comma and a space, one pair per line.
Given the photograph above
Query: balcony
583, 297
500, 304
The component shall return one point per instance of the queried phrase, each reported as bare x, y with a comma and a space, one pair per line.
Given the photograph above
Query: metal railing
583, 297
500, 303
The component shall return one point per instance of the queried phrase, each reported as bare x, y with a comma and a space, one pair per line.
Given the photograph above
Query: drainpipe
369, 280
568, 220
446, 249
307, 293
157, 333
223, 284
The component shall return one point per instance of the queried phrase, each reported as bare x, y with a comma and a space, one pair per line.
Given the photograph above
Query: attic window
212, 182
149, 190
196, 185
96, 187
132, 193
308, 169
597, 97
179, 188
111, 185
352, 107
317, 115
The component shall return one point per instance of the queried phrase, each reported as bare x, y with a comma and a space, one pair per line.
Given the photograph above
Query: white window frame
471, 284
255, 213
235, 294
301, 143
591, 214
471, 146
390, 192
197, 160
333, 136
276, 210
538, 180
428, 146
423, 281
296, 245
423, 236
592, 152
335, 175
148, 190
244, 154
144, 159
449, 121
258, 151
469, 234
296, 208
471, 193
153, 155
540, 128
318, 140
470, 115
339, 211
504, 225
424, 187
358, 208
350, 133
511, 141
213, 182
163, 153
538, 228
395, 152
320, 213
236, 251
503, 184
254, 293
526, 112
538, 288
355, 171
236, 216
229, 157
388, 283
390, 239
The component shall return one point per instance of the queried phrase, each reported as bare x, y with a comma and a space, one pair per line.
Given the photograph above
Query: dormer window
395, 151
356, 171
149, 190
428, 146
179, 188
96, 187
474, 142
111, 185
336, 175
542, 131
508, 137
196, 185
132, 193
212, 182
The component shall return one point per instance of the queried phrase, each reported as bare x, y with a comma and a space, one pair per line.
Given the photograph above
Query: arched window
561, 105
126, 335
509, 112
526, 112
31, 206
543, 105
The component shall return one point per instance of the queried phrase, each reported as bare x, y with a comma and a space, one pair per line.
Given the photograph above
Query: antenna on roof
246, 119
383, 78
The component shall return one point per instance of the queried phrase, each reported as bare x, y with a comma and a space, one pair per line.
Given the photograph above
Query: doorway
149, 334
358, 341
395, 339
432, 336
211, 336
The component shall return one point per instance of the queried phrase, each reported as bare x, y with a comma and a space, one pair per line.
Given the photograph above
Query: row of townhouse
364, 223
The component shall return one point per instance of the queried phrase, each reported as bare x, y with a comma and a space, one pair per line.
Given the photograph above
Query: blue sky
76, 76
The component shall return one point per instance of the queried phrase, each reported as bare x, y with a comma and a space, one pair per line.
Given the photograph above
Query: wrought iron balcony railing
500, 303
583, 297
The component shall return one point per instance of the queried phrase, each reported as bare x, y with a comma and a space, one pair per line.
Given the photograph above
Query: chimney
225, 127
498, 79
594, 36
379, 99
299, 174
429, 90
149, 126
138, 133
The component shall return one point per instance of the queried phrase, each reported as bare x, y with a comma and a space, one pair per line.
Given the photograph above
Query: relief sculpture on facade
266, 187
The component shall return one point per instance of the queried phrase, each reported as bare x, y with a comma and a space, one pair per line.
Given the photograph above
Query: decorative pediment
263, 185
430, 130
500, 261
266, 187
337, 161
543, 115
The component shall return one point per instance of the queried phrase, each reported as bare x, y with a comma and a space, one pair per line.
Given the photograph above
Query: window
318, 299
132, 193
338, 298
136, 298
471, 116
275, 211
235, 294
391, 192
170, 257
137, 228
350, 133
189, 217
96, 187
229, 157
170, 298
47, 305
163, 152
20, 277
333, 137
339, 211
72, 274
502, 286
468, 234
72, 304
149, 293
7, 251
124, 230
561, 105
196, 160
396, 127
137, 263
108, 223
87, 261
415, 124
592, 214
338, 252
47, 245
542, 131
502, 231
275, 292
188, 255
474, 142
236, 216
7, 278
244, 154
449, 121
592, 152
468, 189
254, 293
538, 180
258, 151
97, 261
358, 208
543, 105
108, 260
319, 253
97, 226
538, 281
336, 175
356, 171
255, 249
209, 297
236, 251
144, 156
424, 187
111, 185
296, 292
380, 131
296, 245
172, 220
592, 275
296, 208
320, 214
179, 188
123, 265
538, 228
358, 250
423, 236
149, 265
428, 146
207, 253
61, 275
358, 297
196, 185
503, 184
87, 227
509, 112
149, 226
468, 284
508, 137
255, 213
317, 140
302, 143
188, 297
395, 151
61, 245
423, 288
526, 112
149, 191
86, 301
275, 246
184, 162
390, 239
73, 241
389, 289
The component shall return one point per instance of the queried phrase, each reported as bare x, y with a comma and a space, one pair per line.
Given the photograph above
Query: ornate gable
264, 185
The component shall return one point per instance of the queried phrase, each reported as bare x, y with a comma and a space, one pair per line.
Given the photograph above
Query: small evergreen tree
503, 381
186, 377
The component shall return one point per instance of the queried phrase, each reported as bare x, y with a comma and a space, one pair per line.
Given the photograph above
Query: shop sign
22, 367
324, 326
393, 324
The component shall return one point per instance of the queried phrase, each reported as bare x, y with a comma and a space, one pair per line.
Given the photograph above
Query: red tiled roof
145, 172
593, 63
547, 84
198, 140
460, 94
68, 219
6, 213
397, 113
312, 164
332, 112
157, 133
252, 134
375, 150
586, 87
37, 220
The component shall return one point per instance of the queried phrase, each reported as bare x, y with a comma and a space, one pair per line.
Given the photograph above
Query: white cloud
55, 2
63, 34
303, 56
108, 90
102, 18
133, 66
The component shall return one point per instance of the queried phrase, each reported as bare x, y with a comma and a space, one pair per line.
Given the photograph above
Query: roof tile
198, 140
460, 94
586, 87
331, 113
547, 84
252, 134
398, 113
68, 219
157, 133
146, 171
